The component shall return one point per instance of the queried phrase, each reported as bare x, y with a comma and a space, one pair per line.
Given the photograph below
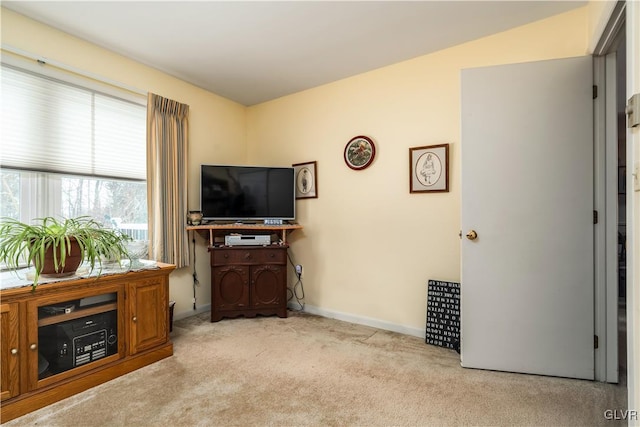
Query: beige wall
369, 246
216, 125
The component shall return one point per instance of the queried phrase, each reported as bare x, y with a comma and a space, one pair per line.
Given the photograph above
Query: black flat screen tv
245, 193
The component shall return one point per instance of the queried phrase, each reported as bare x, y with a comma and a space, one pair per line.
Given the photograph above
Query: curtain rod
46, 61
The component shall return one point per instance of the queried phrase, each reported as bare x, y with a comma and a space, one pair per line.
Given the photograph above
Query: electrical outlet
299, 269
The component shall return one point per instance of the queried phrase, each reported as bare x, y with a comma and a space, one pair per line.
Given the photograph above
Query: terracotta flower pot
72, 261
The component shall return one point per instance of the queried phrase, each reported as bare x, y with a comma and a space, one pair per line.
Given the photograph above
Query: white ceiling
255, 51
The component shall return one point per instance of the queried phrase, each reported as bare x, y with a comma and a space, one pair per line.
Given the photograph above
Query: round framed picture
359, 152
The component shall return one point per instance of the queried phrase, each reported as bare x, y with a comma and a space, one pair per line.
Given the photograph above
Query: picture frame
429, 169
306, 180
359, 152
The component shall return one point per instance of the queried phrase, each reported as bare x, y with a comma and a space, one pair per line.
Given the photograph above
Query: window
69, 150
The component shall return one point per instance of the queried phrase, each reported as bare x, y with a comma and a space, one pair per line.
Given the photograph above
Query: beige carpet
312, 371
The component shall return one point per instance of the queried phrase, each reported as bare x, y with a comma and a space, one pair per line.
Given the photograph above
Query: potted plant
57, 247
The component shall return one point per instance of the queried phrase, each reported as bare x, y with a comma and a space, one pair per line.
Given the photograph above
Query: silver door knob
472, 235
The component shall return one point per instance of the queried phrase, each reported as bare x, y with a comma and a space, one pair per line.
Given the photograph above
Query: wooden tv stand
247, 280
124, 320
212, 231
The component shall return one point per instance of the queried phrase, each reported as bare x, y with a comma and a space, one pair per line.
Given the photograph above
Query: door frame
629, 13
633, 217
606, 230
605, 73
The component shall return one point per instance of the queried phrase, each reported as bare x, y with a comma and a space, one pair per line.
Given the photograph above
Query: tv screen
247, 192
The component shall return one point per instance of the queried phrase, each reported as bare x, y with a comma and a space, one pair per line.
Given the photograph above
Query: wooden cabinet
9, 351
149, 314
68, 336
247, 281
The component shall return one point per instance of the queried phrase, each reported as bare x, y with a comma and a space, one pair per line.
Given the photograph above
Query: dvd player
247, 240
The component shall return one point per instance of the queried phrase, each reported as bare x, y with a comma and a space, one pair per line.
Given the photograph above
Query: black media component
237, 193
73, 343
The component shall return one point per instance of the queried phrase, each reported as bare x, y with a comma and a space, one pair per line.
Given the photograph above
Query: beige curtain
167, 137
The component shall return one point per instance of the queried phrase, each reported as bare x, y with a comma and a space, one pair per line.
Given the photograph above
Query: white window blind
52, 126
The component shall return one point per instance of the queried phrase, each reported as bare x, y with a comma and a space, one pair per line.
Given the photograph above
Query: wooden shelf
76, 314
221, 229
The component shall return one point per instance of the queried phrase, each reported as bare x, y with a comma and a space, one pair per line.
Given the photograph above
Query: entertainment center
246, 210
247, 280
68, 336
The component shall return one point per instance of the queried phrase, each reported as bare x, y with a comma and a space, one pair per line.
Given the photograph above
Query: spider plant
58, 246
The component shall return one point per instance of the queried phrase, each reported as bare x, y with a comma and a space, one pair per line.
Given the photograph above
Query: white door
527, 191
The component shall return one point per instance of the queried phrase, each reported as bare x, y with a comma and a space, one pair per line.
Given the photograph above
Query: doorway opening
621, 66
610, 196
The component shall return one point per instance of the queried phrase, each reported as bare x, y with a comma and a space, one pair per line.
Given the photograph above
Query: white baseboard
346, 317
185, 314
361, 320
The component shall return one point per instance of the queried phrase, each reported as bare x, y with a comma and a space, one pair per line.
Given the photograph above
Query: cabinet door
231, 288
148, 314
72, 332
9, 351
267, 286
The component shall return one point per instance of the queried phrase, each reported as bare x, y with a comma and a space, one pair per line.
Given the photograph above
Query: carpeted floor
312, 371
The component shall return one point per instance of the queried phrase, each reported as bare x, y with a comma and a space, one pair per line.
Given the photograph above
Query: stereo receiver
73, 343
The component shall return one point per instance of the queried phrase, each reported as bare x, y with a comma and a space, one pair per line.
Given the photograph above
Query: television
246, 193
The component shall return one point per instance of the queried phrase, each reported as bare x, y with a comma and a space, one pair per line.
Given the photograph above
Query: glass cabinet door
75, 334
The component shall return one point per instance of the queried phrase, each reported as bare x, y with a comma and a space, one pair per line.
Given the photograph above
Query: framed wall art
306, 176
429, 169
359, 152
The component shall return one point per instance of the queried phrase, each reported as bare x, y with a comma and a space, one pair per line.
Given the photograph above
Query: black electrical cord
297, 291
196, 282
299, 298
